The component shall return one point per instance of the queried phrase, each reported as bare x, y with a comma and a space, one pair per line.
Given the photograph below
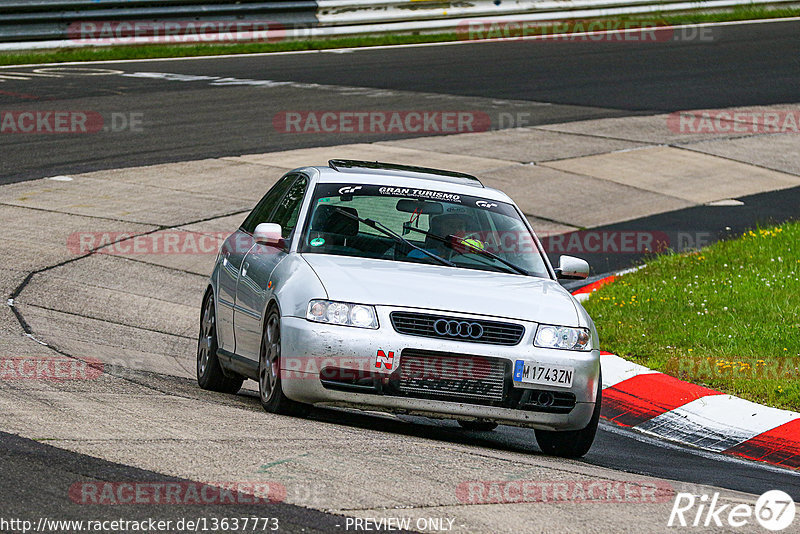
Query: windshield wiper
397, 237
449, 242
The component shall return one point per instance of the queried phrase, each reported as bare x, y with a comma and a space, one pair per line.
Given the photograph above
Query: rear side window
261, 213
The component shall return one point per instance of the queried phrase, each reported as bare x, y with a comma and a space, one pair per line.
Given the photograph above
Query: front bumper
308, 348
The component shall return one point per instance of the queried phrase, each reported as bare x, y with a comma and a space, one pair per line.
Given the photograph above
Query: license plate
531, 372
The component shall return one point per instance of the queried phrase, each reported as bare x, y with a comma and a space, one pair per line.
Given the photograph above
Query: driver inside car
444, 226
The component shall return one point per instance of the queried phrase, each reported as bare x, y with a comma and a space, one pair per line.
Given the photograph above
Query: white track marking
616, 369
658, 442
716, 422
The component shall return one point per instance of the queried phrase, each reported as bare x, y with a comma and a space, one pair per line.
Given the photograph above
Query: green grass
727, 316
166, 50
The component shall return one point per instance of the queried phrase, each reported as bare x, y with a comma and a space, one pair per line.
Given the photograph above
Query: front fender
585, 320
294, 283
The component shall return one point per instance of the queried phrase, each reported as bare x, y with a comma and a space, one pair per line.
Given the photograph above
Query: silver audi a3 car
402, 289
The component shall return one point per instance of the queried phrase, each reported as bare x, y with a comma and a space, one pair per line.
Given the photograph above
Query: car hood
435, 287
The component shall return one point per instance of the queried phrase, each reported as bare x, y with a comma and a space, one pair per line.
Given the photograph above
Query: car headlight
343, 313
562, 337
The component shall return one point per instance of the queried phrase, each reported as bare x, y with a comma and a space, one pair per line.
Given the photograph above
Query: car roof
379, 173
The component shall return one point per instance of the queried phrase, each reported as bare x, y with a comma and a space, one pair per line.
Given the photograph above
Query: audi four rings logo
464, 329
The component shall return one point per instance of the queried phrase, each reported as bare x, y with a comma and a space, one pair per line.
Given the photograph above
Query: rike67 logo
774, 510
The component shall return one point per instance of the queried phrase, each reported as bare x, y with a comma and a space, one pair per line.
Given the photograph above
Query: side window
267, 205
289, 208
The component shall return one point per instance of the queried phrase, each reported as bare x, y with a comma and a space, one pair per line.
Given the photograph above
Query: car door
232, 255
253, 291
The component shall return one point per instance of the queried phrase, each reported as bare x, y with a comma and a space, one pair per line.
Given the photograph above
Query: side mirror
269, 234
572, 268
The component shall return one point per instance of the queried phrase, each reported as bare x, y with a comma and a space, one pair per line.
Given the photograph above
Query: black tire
270, 391
482, 426
209, 371
572, 443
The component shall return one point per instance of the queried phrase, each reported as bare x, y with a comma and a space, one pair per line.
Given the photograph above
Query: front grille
452, 377
457, 329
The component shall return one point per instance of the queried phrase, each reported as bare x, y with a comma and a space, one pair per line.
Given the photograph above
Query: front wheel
209, 371
269, 372
572, 443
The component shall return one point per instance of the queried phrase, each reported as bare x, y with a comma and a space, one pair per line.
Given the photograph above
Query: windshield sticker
419, 193
349, 190
317, 242
485, 204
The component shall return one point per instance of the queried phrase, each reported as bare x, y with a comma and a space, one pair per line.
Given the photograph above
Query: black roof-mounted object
432, 174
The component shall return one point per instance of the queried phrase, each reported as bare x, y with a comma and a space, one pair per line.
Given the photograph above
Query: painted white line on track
631, 269
28, 75
409, 45
37, 340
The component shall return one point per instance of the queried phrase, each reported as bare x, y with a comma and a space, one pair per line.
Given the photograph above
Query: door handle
244, 268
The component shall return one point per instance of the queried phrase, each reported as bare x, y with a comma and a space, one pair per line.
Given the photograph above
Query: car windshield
420, 226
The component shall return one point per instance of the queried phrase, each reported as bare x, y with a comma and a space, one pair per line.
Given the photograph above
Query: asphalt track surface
38, 478
707, 225
745, 65
736, 65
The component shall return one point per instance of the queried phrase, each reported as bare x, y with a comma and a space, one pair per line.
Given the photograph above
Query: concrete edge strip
665, 407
